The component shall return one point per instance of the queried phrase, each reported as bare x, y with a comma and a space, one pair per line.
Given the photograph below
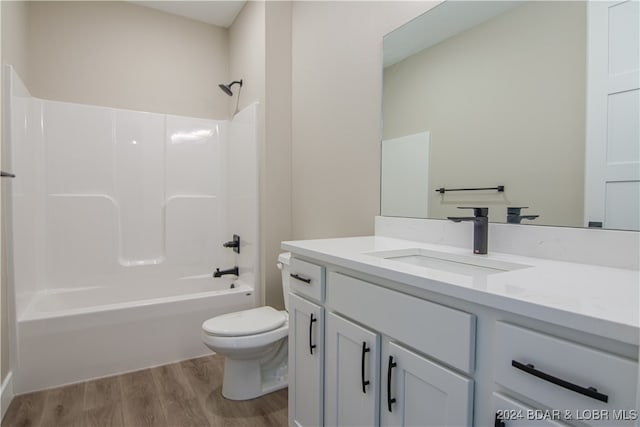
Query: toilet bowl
254, 344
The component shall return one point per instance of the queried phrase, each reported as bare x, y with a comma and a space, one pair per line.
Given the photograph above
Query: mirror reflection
490, 94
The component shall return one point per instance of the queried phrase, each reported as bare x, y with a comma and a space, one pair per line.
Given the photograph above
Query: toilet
254, 343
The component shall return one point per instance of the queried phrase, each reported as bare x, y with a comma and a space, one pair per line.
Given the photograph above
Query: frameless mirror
535, 103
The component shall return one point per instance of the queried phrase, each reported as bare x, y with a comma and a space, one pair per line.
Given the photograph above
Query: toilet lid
246, 322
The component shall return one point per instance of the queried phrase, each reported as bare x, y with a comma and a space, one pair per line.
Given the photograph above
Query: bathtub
71, 335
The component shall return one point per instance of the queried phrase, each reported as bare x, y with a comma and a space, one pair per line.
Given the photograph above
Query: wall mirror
484, 94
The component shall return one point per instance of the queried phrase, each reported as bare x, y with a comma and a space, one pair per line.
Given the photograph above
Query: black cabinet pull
364, 382
591, 392
6, 175
498, 421
390, 400
302, 279
311, 344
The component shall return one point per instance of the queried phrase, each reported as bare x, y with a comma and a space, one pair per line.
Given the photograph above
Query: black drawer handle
498, 421
311, 344
302, 279
6, 175
390, 400
364, 382
591, 392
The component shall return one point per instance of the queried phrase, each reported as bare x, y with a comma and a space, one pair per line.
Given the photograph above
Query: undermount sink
470, 265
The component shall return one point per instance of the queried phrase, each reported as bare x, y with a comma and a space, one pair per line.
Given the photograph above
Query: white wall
121, 55
247, 55
336, 104
276, 190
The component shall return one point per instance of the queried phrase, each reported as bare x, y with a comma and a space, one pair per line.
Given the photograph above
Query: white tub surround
119, 218
464, 335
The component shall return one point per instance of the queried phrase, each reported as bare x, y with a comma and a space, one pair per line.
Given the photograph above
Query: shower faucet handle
235, 244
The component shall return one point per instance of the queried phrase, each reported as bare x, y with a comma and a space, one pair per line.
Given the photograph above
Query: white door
306, 332
405, 176
418, 392
612, 169
351, 374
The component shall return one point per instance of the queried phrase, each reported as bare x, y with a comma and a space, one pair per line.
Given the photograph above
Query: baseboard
6, 394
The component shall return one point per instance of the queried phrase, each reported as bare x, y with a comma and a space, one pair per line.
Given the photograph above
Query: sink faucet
514, 215
480, 228
220, 273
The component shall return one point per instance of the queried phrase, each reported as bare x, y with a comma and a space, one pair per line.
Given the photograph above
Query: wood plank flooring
184, 394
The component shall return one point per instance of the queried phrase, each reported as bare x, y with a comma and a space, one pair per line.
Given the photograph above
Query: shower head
227, 88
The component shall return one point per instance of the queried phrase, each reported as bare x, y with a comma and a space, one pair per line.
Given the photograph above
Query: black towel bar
442, 190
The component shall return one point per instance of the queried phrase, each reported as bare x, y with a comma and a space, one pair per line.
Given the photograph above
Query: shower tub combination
71, 336
117, 222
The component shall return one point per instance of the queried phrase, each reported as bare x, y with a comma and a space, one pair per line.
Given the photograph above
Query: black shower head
227, 88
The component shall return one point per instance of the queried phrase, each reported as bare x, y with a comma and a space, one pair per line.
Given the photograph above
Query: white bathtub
67, 336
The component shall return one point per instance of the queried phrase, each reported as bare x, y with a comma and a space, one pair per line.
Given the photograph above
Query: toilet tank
283, 265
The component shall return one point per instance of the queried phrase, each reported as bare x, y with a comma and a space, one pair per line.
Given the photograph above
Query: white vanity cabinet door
306, 352
418, 392
351, 373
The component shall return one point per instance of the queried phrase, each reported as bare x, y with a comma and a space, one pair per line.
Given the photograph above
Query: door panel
420, 392
306, 349
352, 358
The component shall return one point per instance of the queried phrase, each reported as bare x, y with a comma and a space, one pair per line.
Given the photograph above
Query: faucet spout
461, 218
514, 215
480, 228
220, 273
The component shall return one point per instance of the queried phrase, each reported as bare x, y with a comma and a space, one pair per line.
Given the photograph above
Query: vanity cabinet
370, 326
305, 362
392, 354
306, 344
407, 388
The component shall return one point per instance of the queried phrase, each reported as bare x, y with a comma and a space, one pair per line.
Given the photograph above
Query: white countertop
594, 299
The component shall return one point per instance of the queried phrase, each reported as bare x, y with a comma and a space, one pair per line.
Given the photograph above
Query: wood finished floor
184, 394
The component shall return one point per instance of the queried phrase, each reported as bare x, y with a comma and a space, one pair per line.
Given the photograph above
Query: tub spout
220, 273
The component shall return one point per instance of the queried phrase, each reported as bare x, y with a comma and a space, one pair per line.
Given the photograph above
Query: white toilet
255, 346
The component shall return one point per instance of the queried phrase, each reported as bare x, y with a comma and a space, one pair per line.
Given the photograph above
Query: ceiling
220, 13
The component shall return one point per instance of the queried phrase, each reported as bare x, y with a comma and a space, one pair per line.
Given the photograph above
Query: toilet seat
243, 323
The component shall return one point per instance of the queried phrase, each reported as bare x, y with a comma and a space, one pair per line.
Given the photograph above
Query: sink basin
453, 263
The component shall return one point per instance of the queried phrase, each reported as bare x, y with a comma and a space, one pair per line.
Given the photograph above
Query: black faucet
220, 273
235, 244
514, 217
480, 228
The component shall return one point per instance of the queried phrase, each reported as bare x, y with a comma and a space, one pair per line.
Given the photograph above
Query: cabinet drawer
511, 413
596, 387
307, 279
437, 331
